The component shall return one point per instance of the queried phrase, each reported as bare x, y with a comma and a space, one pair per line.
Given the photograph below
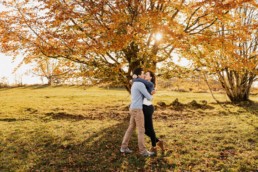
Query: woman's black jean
148, 123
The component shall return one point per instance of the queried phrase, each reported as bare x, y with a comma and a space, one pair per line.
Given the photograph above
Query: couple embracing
141, 110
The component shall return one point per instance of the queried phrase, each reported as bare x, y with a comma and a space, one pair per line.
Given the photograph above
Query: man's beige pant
136, 120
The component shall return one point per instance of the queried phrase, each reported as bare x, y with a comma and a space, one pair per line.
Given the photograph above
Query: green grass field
81, 129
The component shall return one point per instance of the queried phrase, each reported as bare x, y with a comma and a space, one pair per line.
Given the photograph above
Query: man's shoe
147, 153
125, 150
160, 143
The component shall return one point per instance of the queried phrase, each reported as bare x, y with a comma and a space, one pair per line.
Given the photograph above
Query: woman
148, 110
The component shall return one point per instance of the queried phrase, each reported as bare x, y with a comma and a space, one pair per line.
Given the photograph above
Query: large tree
111, 37
229, 50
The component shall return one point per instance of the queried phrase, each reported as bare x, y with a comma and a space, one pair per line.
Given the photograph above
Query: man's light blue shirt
138, 92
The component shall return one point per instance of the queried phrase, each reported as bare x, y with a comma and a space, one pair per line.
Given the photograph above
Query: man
138, 92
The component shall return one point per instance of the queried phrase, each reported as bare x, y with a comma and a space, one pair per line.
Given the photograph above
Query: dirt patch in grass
178, 106
89, 115
66, 116
12, 119
31, 110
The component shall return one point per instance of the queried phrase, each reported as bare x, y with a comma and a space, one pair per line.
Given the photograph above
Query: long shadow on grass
99, 152
251, 107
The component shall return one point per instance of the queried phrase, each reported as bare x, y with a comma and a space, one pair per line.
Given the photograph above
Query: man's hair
137, 71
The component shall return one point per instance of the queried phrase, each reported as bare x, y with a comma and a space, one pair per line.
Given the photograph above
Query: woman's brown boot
161, 144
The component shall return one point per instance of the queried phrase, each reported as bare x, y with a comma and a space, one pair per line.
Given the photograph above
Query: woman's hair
153, 77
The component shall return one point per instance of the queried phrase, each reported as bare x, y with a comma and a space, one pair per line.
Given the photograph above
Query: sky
7, 66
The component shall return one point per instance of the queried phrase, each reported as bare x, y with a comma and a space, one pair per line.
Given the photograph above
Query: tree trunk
128, 87
236, 85
134, 61
131, 54
49, 81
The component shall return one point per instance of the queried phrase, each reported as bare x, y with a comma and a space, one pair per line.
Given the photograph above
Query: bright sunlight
158, 36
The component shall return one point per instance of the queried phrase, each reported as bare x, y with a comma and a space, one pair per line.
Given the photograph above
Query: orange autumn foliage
112, 37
